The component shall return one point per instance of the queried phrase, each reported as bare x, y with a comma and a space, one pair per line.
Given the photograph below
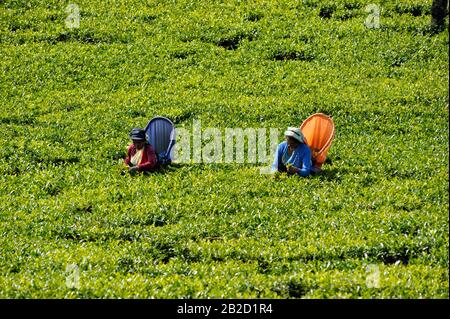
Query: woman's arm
150, 161
127, 160
301, 162
305, 169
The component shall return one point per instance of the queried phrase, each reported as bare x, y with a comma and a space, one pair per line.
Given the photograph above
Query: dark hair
137, 134
293, 139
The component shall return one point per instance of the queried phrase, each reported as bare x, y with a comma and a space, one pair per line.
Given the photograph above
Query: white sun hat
296, 133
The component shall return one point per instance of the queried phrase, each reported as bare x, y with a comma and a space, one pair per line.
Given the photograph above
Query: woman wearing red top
141, 155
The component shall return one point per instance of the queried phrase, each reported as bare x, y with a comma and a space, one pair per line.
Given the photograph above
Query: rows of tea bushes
74, 224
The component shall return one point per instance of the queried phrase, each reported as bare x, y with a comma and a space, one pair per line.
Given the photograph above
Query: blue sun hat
296, 133
137, 134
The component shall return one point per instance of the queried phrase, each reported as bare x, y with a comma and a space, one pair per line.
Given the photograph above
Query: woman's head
138, 137
294, 137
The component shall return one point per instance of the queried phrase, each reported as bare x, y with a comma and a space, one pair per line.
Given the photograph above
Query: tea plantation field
73, 224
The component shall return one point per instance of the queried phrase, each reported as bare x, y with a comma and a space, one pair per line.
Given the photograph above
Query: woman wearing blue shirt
293, 155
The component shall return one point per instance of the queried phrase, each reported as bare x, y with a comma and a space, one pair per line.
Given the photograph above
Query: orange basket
318, 130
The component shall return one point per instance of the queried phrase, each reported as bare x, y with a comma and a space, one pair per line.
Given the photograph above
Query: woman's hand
292, 169
133, 169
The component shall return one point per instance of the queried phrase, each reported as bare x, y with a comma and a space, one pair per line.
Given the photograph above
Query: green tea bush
374, 224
